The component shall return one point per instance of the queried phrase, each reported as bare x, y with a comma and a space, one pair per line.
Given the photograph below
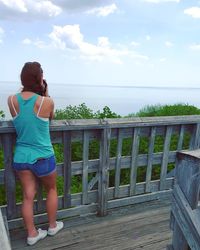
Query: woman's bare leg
49, 182
29, 186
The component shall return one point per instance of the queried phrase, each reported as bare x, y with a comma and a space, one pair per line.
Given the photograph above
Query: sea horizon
121, 99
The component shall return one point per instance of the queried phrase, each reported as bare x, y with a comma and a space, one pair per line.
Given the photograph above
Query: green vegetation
83, 112
2, 114
167, 110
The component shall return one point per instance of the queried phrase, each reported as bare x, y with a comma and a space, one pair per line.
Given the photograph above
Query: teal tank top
33, 137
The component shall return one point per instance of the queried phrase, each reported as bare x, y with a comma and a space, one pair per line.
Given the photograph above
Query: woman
34, 156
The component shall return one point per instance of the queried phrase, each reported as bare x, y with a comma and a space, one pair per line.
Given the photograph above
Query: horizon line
113, 86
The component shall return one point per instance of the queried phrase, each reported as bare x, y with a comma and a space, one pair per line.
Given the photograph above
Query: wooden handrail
98, 195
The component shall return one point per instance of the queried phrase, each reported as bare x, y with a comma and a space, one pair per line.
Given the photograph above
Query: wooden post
67, 169
187, 180
85, 167
4, 239
103, 171
118, 163
10, 183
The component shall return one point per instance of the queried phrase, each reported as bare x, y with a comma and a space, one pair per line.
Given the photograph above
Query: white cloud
195, 47
38, 43
135, 44
18, 5
28, 9
169, 44
163, 59
148, 38
161, 1
193, 11
2, 32
103, 11
69, 37
26, 41
80, 5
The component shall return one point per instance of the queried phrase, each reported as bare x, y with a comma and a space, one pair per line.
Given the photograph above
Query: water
122, 99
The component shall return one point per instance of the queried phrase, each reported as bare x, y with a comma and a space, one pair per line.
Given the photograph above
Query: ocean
122, 100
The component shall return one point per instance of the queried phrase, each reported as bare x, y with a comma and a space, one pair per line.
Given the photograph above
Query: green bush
167, 110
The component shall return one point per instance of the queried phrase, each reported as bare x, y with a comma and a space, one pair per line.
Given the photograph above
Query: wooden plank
195, 141
181, 137
166, 149
93, 181
118, 162
85, 167
150, 159
67, 169
10, 183
138, 199
134, 156
143, 226
76, 199
103, 171
40, 204
187, 220
5, 242
79, 124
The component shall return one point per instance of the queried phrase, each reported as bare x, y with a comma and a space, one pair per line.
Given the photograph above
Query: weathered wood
70, 131
4, 239
185, 201
118, 163
79, 124
10, 183
103, 171
187, 221
150, 159
85, 167
181, 137
165, 157
93, 165
142, 226
195, 138
134, 157
40, 204
67, 169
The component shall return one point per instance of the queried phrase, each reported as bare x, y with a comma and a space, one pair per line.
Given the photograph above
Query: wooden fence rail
185, 214
97, 154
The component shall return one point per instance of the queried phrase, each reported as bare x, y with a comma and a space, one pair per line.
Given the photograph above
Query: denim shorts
42, 167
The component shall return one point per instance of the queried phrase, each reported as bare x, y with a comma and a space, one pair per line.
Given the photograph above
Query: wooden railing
152, 146
185, 214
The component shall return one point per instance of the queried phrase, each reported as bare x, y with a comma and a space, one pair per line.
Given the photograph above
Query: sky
117, 42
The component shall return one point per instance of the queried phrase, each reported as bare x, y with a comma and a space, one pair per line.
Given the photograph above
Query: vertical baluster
150, 159
67, 168
134, 156
10, 183
118, 163
195, 140
40, 203
181, 137
104, 171
85, 167
165, 157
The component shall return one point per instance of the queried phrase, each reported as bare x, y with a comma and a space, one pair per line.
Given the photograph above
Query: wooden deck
141, 226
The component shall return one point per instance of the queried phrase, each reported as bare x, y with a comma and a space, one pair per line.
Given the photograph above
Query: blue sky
119, 42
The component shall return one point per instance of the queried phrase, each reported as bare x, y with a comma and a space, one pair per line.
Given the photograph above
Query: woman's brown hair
31, 76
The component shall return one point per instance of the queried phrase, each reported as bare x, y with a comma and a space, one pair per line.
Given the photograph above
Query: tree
74, 112
107, 113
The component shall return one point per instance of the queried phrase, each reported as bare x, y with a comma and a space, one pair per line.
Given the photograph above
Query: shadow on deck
141, 226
